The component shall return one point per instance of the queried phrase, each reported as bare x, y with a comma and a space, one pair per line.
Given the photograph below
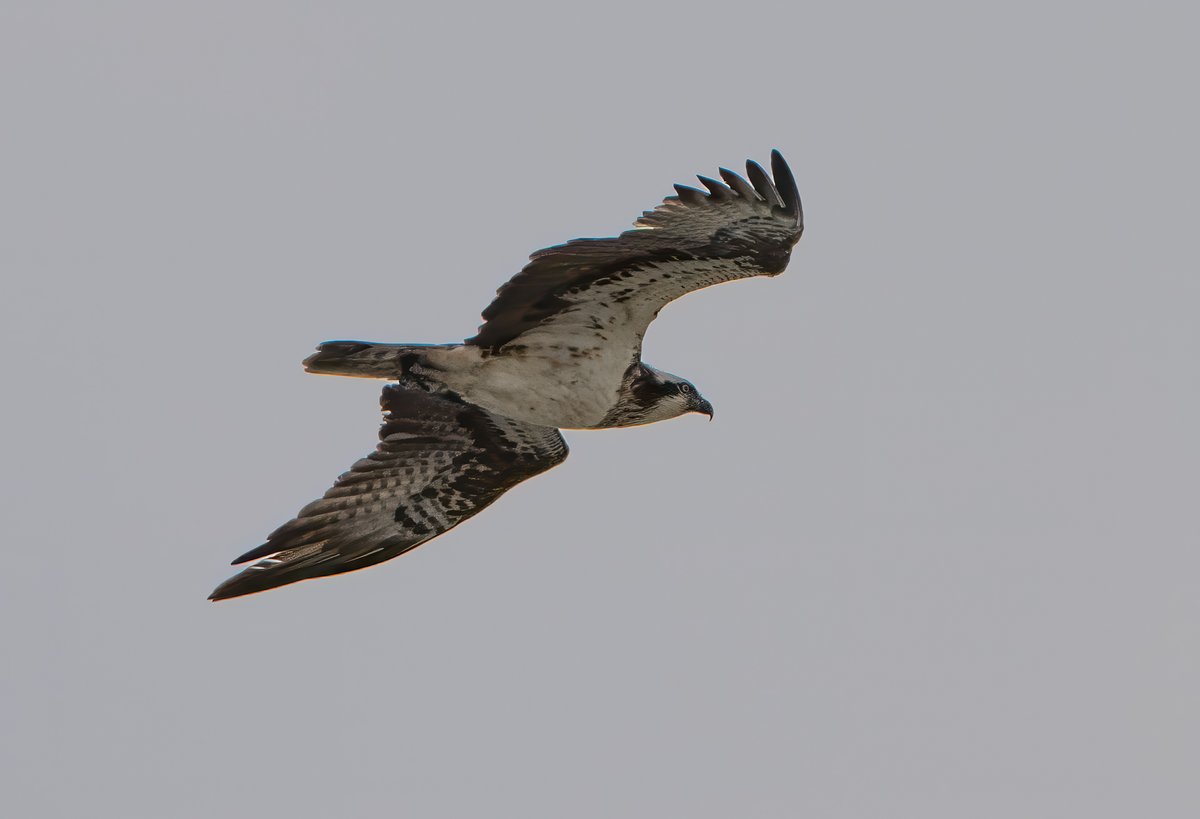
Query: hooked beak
704, 407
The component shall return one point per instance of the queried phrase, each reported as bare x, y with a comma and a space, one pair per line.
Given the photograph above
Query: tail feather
364, 359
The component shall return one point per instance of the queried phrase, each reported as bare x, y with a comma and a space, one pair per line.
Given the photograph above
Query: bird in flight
560, 348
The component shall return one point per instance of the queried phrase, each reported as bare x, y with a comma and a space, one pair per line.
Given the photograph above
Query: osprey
560, 347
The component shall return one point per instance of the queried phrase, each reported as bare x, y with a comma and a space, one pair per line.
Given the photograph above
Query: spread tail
363, 359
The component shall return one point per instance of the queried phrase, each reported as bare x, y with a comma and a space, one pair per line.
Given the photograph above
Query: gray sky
936, 557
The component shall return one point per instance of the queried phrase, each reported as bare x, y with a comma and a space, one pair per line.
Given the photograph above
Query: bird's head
654, 395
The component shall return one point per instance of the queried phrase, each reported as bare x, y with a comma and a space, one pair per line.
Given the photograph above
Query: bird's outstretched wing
592, 292
440, 460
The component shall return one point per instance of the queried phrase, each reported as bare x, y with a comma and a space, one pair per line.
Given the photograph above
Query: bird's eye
685, 388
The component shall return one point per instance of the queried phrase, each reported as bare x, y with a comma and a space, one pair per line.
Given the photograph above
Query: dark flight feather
440, 461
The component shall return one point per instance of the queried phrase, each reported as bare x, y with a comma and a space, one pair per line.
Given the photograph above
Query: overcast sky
936, 556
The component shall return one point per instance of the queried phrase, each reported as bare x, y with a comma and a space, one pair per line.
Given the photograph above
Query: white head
650, 395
